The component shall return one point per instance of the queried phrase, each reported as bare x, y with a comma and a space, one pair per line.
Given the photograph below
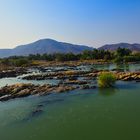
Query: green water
110, 114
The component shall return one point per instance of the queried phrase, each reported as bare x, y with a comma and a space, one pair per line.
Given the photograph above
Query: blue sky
89, 22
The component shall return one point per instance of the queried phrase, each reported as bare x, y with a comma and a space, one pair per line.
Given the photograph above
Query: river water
109, 114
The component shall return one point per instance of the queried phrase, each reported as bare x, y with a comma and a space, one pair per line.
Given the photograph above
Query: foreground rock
23, 90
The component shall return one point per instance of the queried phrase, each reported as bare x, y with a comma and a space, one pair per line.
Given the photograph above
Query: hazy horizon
87, 22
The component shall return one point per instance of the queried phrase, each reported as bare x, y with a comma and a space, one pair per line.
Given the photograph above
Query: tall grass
106, 80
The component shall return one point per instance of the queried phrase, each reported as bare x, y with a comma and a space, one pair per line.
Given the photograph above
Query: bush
20, 62
106, 80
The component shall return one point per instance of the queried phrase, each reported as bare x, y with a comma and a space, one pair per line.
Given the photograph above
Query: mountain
113, 47
44, 46
5, 52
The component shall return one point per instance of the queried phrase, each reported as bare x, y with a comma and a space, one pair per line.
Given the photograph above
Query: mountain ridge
114, 47
42, 46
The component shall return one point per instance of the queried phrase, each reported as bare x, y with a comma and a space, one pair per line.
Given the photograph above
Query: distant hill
44, 46
114, 47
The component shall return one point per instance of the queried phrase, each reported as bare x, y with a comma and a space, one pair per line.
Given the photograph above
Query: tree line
121, 55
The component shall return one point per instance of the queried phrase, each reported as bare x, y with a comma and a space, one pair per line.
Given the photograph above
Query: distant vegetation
16, 61
122, 55
106, 80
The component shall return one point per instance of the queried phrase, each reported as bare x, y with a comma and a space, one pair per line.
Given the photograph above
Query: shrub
106, 80
20, 62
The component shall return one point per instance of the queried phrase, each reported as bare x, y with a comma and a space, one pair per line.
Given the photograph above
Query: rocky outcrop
23, 90
56, 75
12, 73
128, 76
75, 82
71, 77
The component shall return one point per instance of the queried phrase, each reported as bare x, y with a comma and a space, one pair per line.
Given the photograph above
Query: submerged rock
51, 101
36, 112
88, 87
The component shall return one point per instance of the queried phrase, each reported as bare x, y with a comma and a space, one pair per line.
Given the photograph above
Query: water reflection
123, 67
126, 85
103, 67
119, 67
107, 91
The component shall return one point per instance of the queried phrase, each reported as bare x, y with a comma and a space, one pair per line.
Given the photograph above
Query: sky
87, 22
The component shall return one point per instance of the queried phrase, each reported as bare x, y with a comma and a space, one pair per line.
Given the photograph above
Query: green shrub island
106, 80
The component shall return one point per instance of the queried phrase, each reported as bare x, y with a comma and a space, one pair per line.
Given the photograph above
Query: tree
123, 52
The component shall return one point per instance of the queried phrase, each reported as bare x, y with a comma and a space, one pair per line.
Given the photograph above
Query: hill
48, 46
114, 47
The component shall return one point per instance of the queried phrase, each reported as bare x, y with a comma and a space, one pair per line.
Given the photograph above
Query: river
100, 114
